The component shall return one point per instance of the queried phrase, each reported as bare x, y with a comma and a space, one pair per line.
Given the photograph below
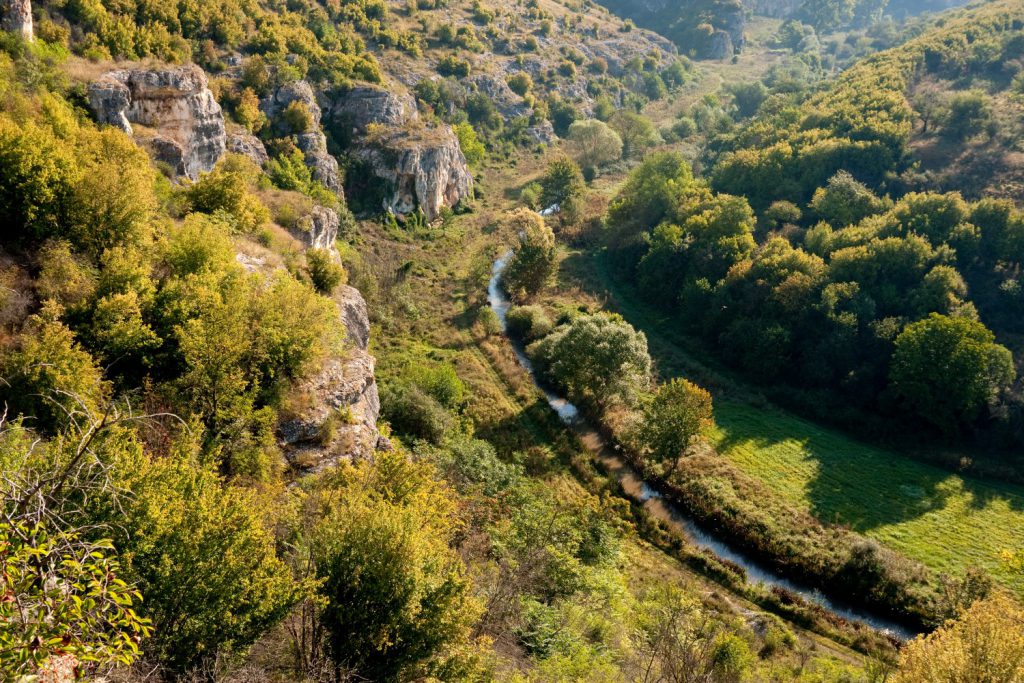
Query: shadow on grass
846, 481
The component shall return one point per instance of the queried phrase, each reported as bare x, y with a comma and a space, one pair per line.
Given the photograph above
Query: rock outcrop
341, 420
312, 141
363, 105
508, 103
16, 17
319, 229
423, 167
248, 145
181, 121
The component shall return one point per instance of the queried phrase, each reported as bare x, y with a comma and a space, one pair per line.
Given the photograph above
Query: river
658, 507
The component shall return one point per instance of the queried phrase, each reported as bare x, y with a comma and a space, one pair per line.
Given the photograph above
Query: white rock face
343, 394
421, 168
362, 105
248, 145
175, 103
16, 17
319, 230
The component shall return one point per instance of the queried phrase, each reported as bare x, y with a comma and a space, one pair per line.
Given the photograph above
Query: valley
457, 341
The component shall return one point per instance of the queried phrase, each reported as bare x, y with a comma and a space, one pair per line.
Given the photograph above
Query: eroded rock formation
16, 17
248, 145
363, 105
423, 168
340, 421
177, 115
319, 229
311, 141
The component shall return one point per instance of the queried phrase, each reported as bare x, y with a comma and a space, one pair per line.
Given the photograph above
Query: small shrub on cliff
325, 273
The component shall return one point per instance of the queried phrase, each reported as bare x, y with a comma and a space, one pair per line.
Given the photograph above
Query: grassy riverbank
943, 520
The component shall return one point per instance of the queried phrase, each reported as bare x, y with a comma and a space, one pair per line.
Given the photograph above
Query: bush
533, 262
413, 412
528, 323
325, 273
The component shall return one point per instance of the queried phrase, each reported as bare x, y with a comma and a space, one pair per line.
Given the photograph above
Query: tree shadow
852, 483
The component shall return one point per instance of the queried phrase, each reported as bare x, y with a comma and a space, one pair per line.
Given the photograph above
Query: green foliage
412, 411
678, 413
968, 114
528, 323
520, 82
534, 258
50, 377
562, 182
844, 201
397, 602
594, 143
227, 191
63, 596
597, 359
204, 559
636, 131
947, 369
472, 148
324, 271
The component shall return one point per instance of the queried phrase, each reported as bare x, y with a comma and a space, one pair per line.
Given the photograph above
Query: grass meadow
946, 521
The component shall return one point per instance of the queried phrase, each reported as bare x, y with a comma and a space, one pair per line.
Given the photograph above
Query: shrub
325, 273
529, 323
534, 260
413, 412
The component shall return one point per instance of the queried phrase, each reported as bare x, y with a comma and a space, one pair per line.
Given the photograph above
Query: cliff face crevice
177, 115
312, 142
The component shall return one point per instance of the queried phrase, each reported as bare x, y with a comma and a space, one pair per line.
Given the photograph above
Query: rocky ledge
340, 422
361, 105
177, 115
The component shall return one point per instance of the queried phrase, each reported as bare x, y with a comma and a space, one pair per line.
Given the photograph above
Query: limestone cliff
342, 405
358, 107
311, 141
177, 115
420, 165
16, 17
423, 167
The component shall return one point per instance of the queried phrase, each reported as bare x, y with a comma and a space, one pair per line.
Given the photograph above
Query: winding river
658, 507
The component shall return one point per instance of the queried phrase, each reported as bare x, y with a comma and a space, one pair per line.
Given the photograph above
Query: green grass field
946, 521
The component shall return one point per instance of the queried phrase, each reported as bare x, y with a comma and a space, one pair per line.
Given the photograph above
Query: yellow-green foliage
863, 121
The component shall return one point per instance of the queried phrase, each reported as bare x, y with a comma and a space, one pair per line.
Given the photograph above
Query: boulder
340, 422
175, 104
16, 17
423, 168
362, 105
248, 145
543, 133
